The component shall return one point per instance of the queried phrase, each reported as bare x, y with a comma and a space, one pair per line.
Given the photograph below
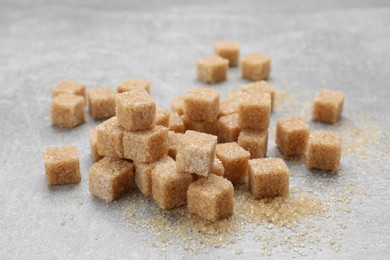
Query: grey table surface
342, 45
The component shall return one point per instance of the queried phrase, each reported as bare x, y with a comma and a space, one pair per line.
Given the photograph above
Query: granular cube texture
67, 110
162, 117
136, 110
146, 146
169, 187
143, 174
211, 198
109, 138
177, 105
260, 87
324, 151
254, 111
69, 87
228, 129
62, 165
255, 142
133, 84
101, 102
291, 136
255, 67
228, 106
212, 69
201, 104
328, 106
228, 50
110, 178
235, 161
196, 153
94, 143
203, 127
218, 167
268, 177
175, 123
173, 143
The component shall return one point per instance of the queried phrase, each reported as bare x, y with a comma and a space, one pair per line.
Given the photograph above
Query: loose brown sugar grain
211, 198
132, 84
324, 151
67, 110
268, 177
146, 146
201, 104
169, 187
255, 67
196, 152
101, 102
255, 142
173, 143
228, 106
110, 178
175, 123
292, 135
162, 117
62, 165
177, 105
212, 69
260, 87
235, 161
69, 87
94, 143
109, 138
218, 167
254, 111
136, 110
228, 129
203, 127
328, 106
229, 50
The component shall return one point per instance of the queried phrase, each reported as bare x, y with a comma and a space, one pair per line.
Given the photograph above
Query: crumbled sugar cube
109, 138
254, 111
177, 105
101, 102
175, 123
228, 50
202, 104
162, 117
94, 149
291, 136
67, 110
133, 83
212, 69
203, 127
255, 67
255, 142
228, 129
69, 87
218, 167
328, 106
260, 87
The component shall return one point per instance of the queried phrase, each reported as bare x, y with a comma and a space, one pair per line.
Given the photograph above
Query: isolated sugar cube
292, 135
67, 110
328, 106
101, 102
255, 67
212, 69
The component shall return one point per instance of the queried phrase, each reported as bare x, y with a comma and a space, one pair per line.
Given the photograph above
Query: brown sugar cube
228, 107
67, 110
196, 152
178, 105
254, 111
202, 104
110, 178
228, 50
291, 136
173, 143
169, 187
162, 117
143, 174
255, 67
235, 161
268, 177
136, 110
328, 106
203, 127
94, 146
133, 83
212, 69
255, 142
324, 151
69, 87
211, 198
101, 102
146, 146
260, 87
109, 138
218, 167
228, 130
62, 165
176, 123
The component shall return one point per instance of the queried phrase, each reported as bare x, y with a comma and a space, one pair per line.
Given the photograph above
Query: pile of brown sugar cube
197, 153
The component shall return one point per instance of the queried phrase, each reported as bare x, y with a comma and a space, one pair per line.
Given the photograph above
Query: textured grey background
341, 45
